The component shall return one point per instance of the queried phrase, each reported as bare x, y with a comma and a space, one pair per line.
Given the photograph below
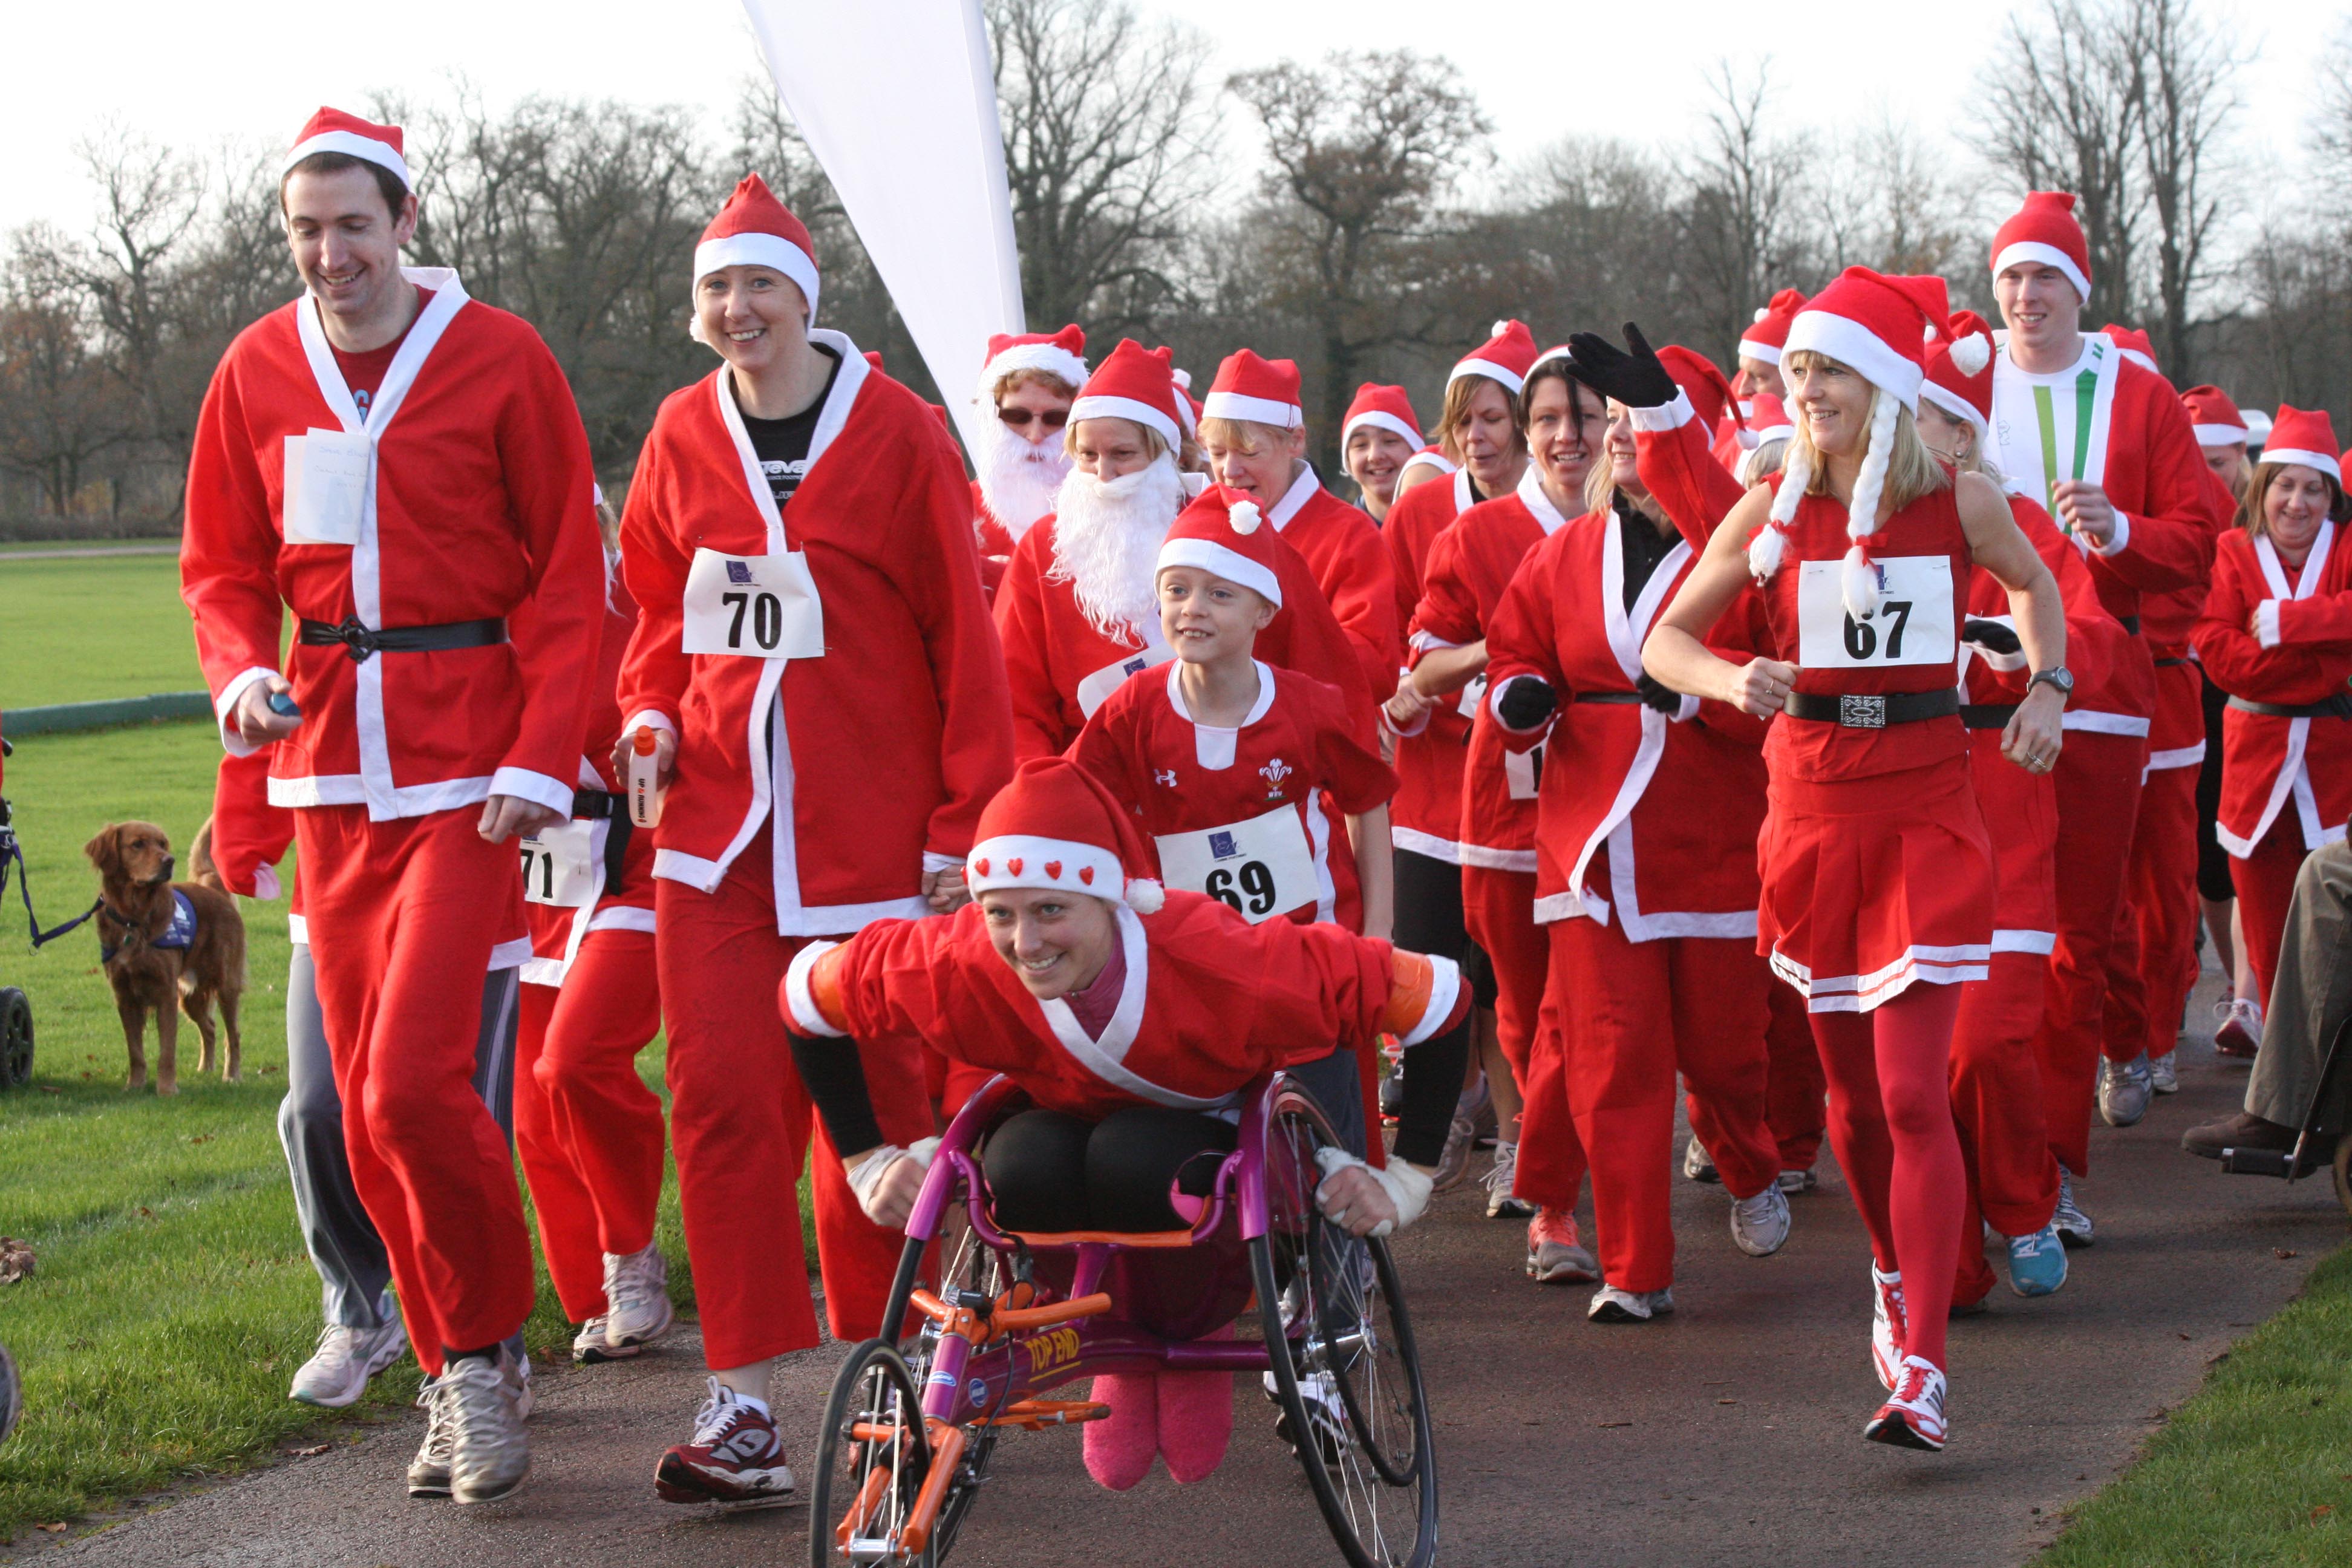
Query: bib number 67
1862, 637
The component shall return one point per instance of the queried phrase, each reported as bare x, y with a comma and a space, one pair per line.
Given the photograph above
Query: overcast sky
252, 70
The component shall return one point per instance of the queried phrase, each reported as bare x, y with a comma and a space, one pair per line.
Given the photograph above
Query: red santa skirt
1873, 883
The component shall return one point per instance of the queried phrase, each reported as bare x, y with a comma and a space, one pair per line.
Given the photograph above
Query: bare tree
1741, 234
59, 410
2191, 69
1893, 205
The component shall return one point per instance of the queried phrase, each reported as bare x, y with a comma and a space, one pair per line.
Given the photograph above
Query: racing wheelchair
912, 1424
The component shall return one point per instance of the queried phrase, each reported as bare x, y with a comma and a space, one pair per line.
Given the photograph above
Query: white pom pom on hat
1971, 354
1145, 896
1245, 517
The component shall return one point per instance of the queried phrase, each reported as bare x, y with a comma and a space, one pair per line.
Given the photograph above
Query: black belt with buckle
1987, 715
2337, 706
1629, 698
362, 641
2171, 663
603, 805
1858, 711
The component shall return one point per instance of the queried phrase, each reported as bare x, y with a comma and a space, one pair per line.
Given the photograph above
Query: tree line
1356, 218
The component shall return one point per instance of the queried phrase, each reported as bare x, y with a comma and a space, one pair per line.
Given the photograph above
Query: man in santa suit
2104, 446
1077, 613
826, 706
1254, 434
405, 470
1028, 382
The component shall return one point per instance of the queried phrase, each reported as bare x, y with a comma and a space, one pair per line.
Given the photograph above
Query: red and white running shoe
1888, 1326
2241, 1032
1555, 1253
736, 1457
1913, 1415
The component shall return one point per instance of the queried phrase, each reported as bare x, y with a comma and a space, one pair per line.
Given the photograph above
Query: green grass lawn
77, 630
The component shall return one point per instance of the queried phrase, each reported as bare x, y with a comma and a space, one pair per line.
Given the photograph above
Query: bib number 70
766, 615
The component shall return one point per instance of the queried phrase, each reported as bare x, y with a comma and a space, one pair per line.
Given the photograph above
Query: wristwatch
2057, 677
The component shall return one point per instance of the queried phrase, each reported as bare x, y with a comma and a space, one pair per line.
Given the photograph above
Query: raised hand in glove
1635, 379
1990, 636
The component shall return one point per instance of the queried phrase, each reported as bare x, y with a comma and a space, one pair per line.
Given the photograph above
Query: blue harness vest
177, 935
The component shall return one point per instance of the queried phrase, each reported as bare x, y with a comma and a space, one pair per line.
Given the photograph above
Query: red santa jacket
1681, 471
994, 539
1209, 1002
1426, 816
1342, 548
2176, 737
2302, 655
476, 508
1676, 802
1271, 791
889, 745
1061, 669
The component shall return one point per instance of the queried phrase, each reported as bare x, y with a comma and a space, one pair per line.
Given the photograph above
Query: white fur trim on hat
1256, 410
1765, 353
2325, 462
2220, 435
1051, 358
752, 249
1958, 407
1487, 367
1856, 346
1429, 458
2049, 255
1230, 565
1382, 419
350, 145
1057, 866
1101, 407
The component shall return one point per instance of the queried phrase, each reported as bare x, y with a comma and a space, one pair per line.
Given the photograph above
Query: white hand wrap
1407, 1188
866, 1177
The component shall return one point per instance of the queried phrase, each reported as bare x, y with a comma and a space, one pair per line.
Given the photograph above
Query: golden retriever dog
165, 944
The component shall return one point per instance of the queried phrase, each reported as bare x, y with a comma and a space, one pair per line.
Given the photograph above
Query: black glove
1657, 694
1990, 636
1636, 380
1526, 701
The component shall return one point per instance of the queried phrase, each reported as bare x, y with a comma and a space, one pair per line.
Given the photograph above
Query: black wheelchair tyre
874, 1384
12, 1394
15, 1038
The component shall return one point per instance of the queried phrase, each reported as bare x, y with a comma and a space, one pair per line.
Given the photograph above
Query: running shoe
1611, 1305
1392, 1098
2124, 1089
1461, 1139
2074, 1225
734, 1458
1913, 1415
592, 1344
2241, 1032
2164, 1074
1760, 1226
337, 1372
2037, 1263
1698, 1164
637, 1292
1500, 1204
1794, 1181
1887, 1325
428, 1473
1327, 1414
1555, 1253
489, 1451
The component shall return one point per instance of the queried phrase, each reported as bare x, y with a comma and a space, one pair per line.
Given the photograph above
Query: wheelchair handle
1004, 1320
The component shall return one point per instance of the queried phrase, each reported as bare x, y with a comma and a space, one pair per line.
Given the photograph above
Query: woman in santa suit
1077, 613
1877, 897
798, 538
1130, 1016
2276, 635
1645, 890
1378, 436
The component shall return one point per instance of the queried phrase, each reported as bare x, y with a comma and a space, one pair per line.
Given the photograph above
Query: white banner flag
896, 100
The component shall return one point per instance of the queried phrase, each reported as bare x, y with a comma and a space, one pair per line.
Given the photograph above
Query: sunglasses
1019, 418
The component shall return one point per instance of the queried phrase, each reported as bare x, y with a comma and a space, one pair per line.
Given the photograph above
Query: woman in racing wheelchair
1131, 1017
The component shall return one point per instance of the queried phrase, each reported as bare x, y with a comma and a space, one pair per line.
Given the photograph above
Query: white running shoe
1611, 1305
428, 1473
1500, 1204
478, 1408
1888, 1325
1760, 1226
337, 1372
589, 1346
1460, 1140
2125, 1090
636, 1295
1555, 1253
1794, 1181
1698, 1165
519, 1374
2241, 1032
2164, 1073
2074, 1225
1913, 1415
1326, 1413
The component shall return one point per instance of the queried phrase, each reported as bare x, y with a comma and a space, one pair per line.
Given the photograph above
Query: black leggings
1052, 1172
2212, 860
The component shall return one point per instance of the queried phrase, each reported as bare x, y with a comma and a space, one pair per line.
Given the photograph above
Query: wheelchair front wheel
871, 1460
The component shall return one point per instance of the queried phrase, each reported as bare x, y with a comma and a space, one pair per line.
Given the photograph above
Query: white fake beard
1107, 538
1018, 478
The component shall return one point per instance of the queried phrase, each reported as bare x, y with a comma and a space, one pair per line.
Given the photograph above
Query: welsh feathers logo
1274, 772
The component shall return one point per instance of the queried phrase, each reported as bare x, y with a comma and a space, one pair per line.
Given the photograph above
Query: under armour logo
1167, 777
738, 571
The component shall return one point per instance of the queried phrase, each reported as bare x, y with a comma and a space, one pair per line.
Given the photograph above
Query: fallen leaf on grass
16, 1259
310, 1453
2322, 1511
2283, 1252
56, 1528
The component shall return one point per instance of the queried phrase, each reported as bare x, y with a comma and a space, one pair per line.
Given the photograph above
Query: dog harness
177, 935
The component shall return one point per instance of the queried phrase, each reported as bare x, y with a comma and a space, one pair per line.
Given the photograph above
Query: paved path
1726, 1436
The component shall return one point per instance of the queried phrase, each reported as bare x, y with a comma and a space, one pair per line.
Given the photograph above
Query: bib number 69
1254, 895
767, 617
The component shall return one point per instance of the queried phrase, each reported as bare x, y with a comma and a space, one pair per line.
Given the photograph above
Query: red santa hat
2305, 435
2137, 345
1384, 408
1960, 374
1768, 421
1056, 828
1134, 383
753, 229
1506, 357
2043, 230
332, 130
1262, 391
1431, 457
1061, 354
1764, 340
1224, 533
1881, 327
1703, 382
2214, 418
1188, 407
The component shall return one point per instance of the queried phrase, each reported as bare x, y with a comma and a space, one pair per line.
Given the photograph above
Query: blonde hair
1459, 392
1247, 437
1153, 441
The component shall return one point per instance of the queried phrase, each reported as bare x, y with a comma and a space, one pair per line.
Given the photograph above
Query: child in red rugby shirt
1234, 768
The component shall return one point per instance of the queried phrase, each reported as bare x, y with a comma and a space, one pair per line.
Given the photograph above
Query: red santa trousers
1551, 1169
1997, 1102
2265, 884
741, 1126
1498, 908
1633, 1013
2153, 964
2098, 784
1795, 1092
402, 915
588, 1129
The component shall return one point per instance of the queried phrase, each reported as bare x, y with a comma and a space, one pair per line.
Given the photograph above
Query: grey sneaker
1698, 1164
590, 1345
2074, 1225
636, 1294
489, 1451
337, 1372
428, 1473
1802, 1181
2125, 1089
2163, 1073
1460, 1138
1760, 1226
1611, 1305
1500, 1204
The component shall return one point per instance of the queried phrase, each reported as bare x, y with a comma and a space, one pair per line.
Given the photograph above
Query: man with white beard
1028, 382
1077, 610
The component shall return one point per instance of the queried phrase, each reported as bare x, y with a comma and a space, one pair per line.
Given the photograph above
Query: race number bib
1262, 867
1524, 772
753, 606
1096, 689
1913, 624
559, 866
328, 476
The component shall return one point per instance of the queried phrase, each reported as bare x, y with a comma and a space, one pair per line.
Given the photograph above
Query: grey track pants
355, 1277
2311, 994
